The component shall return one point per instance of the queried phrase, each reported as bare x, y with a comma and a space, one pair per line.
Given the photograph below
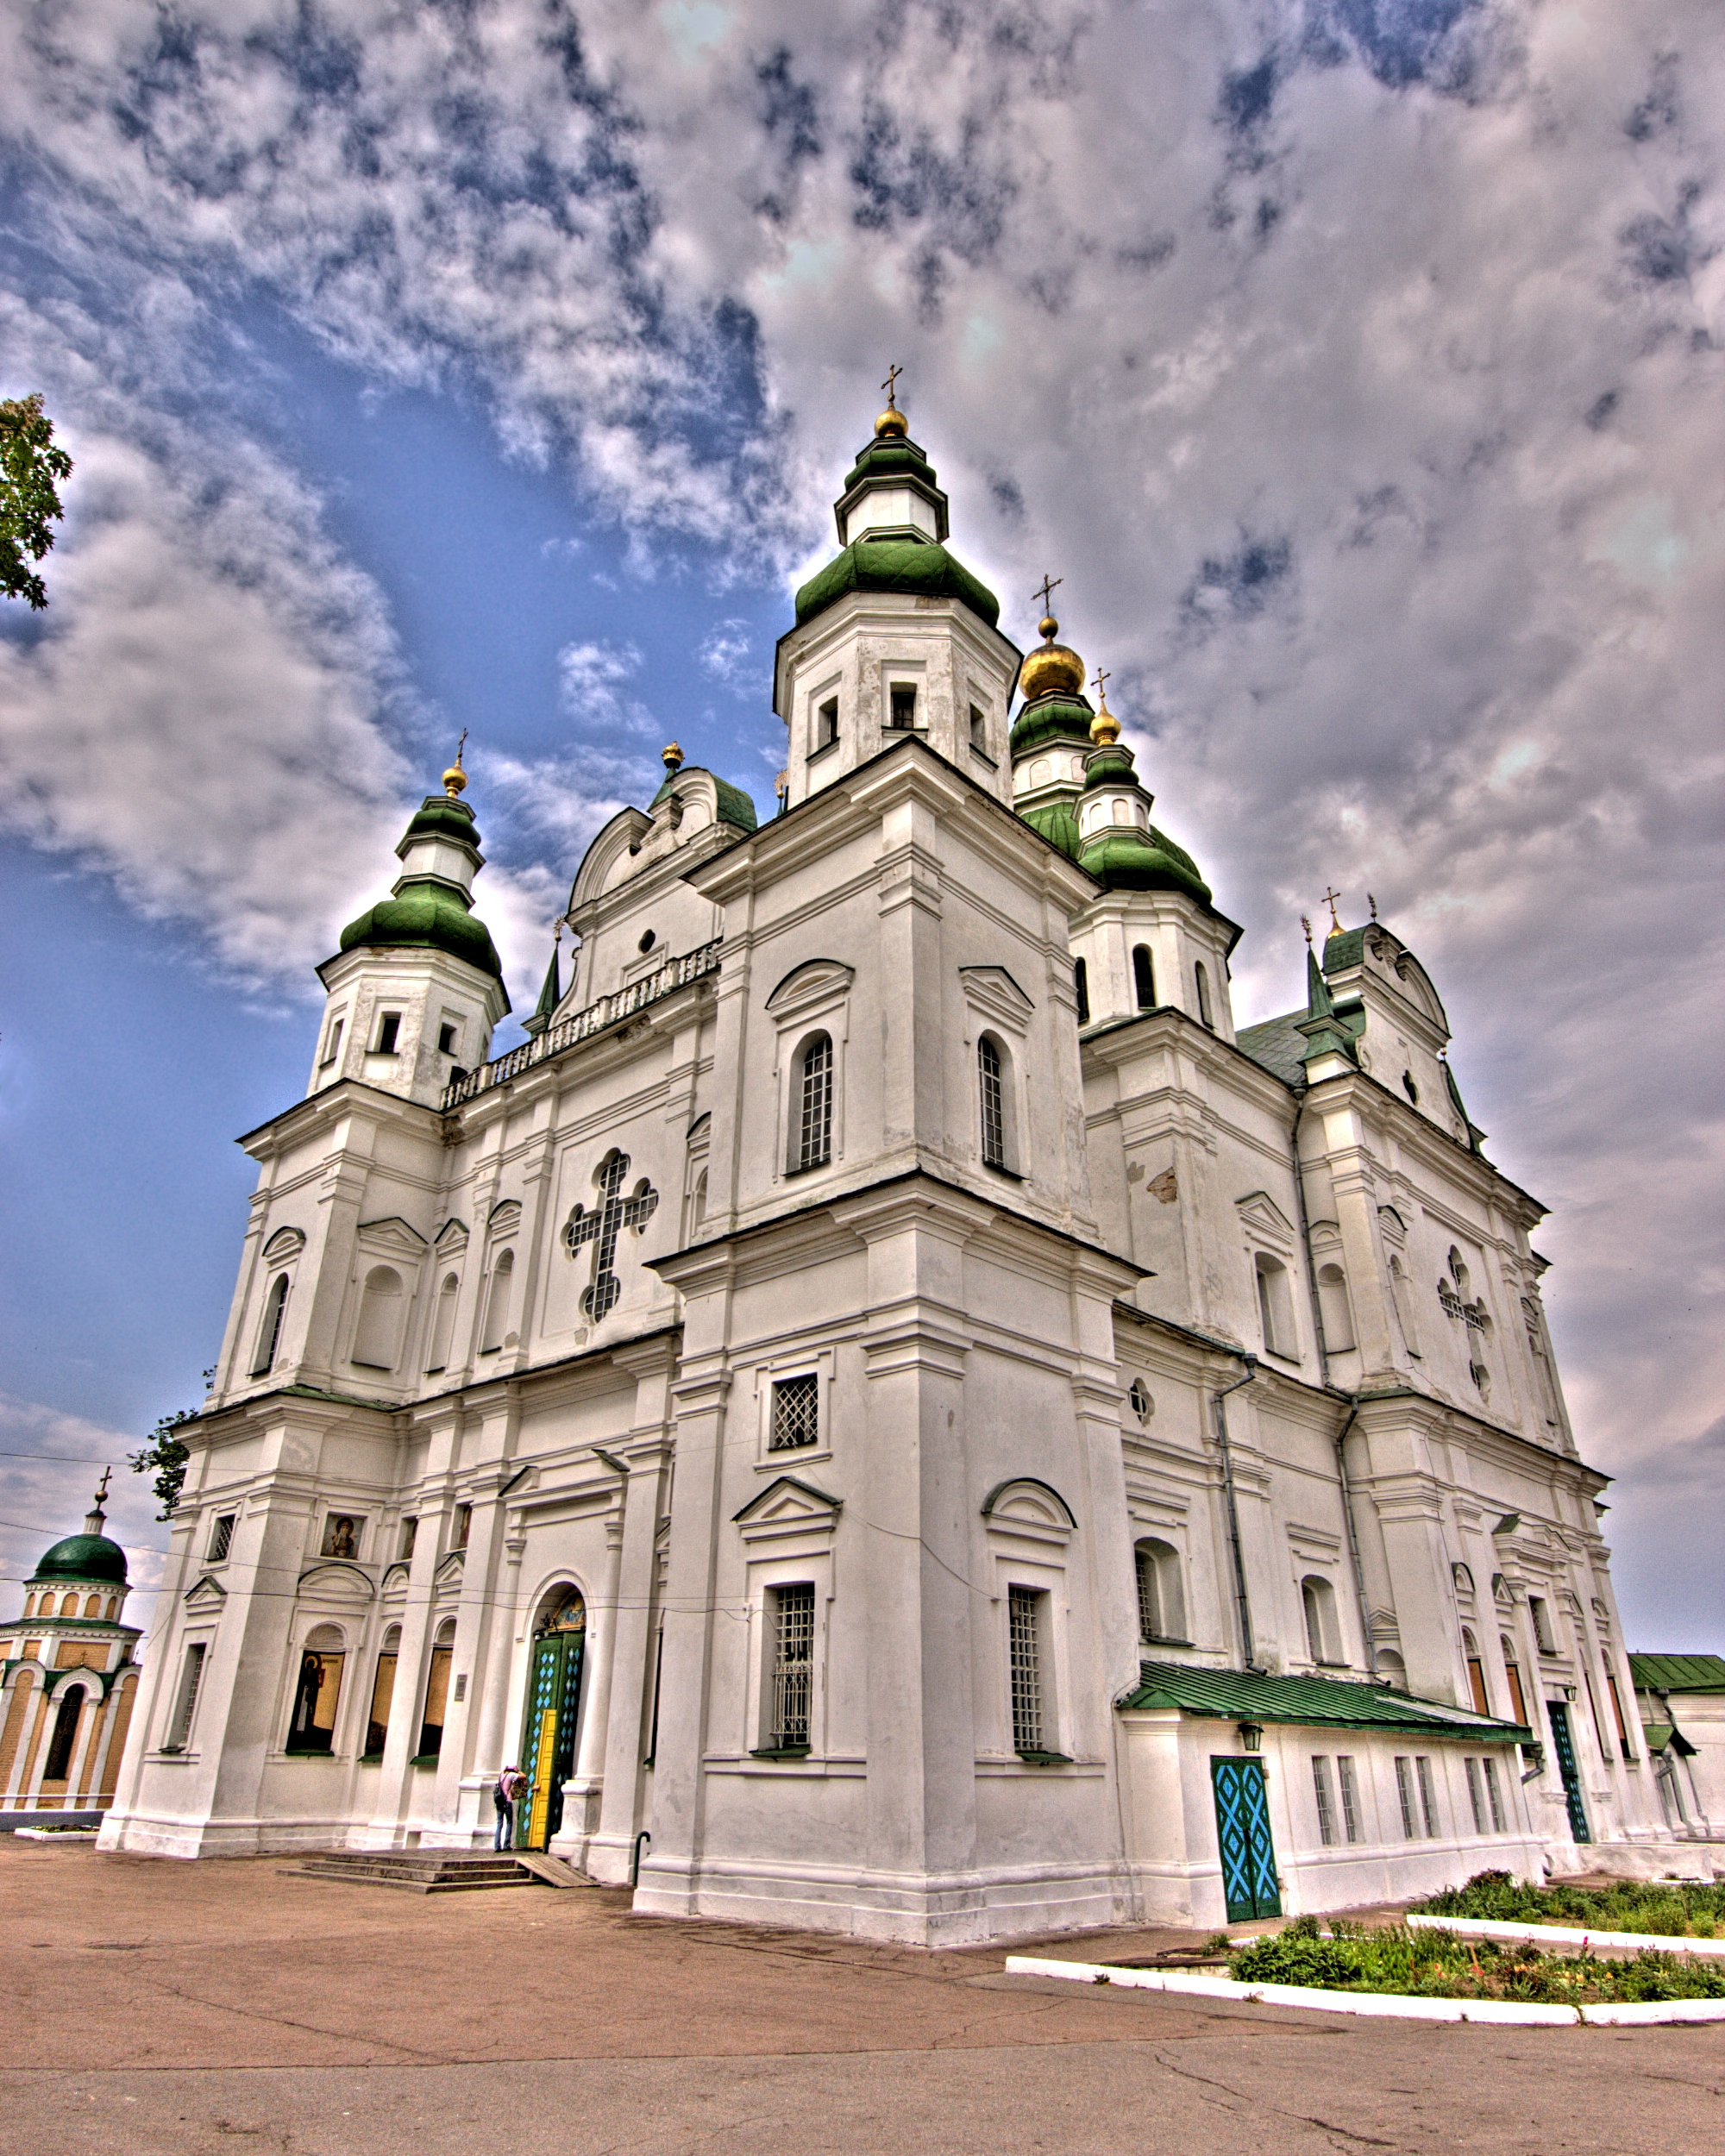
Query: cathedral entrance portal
553, 1699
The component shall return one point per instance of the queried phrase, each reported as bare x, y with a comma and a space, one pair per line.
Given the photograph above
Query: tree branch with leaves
30, 470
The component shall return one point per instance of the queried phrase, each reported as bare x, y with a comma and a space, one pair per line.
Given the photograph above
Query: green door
1248, 1882
1563, 1743
548, 1735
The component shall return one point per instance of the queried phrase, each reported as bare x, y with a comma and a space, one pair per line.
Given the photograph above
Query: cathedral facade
892, 1412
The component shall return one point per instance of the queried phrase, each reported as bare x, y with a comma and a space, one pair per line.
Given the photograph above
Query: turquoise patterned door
1564, 1744
1248, 1882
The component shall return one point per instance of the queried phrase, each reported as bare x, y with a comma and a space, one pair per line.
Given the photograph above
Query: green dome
1056, 718
890, 456
83, 1558
425, 916
896, 565
1058, 822
734, 804
442, 817
1126, 859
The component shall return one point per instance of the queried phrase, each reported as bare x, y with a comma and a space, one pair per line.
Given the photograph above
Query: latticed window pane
1428, 1802
1494, 1800
1344, 1778
1474, 1796
796, 1413
1026, 1667
792, 1663
1404, 1789
814, 1125
1326, 1811
994, 1107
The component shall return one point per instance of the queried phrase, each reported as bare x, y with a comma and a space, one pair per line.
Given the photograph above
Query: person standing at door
505, 1796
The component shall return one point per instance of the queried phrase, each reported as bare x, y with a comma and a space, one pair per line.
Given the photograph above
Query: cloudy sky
493, 363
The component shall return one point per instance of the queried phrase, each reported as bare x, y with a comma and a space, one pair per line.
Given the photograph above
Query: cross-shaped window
602, 1226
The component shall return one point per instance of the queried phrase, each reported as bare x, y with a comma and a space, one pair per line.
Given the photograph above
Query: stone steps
418, 1870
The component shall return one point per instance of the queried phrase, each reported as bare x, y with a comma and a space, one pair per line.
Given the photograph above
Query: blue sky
1357, 362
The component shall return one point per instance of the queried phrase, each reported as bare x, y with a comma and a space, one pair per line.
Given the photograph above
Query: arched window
1144, 976
1318, 1599
1333, 1300
92, 1608
1081, 982
1512, 1677
812, 1104
383, 1693
1202, 981
1392, 1669
443, 1324
500, 1291
311, 1726
269, 1326
58, 1765
991, 1088
437, 1691
1274, 1305
378, 1334
1404, 1305
1476, 1673
1161, 1598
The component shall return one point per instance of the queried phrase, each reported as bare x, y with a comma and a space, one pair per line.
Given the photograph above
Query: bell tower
895, 635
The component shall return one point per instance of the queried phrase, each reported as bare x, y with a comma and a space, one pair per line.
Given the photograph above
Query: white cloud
727, 655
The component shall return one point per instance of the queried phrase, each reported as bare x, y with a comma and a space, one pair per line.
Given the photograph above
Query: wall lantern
1251, 1736
1569, 1692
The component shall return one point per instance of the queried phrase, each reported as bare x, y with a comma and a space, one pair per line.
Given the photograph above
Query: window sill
1162, 1639
370, 1758
982, 756
425, 1759
999, 1168
809, 1168
826, 748
781, 1752
292, 1751
1045, 1758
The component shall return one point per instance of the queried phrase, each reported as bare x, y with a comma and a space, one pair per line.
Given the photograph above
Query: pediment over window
450, 1239
1025, 1505
1395, 1228
450, 1567
335, 1576
992, 990
285, 1243
1259, 1213
788, 1507
816, 982
206, 1593
394, 1235
504, 1217
395, 1579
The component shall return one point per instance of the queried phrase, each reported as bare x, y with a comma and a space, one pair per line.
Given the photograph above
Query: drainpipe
1247, 1661
1324, 1376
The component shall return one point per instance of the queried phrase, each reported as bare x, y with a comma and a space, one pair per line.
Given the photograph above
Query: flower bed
1438, 1966
1669, 1908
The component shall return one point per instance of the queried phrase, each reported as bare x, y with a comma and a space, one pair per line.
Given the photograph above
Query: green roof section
1310, 1702
735, 806
1276, 1045
81, 1557
1678, 1672
425, 915
441, 816
1055, 820
897, 565
1057, 717
1126, 859
890, 457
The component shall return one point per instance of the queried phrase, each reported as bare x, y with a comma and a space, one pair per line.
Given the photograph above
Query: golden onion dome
893, 423
1050, 667
1105, 728
455, 779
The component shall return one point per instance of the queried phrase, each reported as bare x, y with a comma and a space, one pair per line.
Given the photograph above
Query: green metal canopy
1678, 1672
1315, 1701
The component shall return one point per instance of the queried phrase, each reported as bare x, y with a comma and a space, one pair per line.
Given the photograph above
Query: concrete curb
1387, 2005
1562, 1936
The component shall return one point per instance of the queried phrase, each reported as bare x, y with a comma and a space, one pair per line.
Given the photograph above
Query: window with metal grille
1350, 1795
1023, 1622
814, 1108
185, 1704
222, 1537
1493, 1798
1475, 1795
903, 705
1404, 1789
1428, 1801
793, 1663
796, 1413
1327, 1813
269, 1332
1144, 976
994, 1104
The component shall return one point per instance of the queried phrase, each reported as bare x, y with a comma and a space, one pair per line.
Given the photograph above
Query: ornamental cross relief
602, 1226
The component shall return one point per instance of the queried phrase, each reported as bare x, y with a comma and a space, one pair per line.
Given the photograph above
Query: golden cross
1305, 922
1049, 584
1097, 685
891, 387
1329, 899
460, 744
102, 1493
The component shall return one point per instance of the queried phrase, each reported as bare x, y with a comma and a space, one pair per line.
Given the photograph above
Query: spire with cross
1329, 899
602, 1226
1044, 592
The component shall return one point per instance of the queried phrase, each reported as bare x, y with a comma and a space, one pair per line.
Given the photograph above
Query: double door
548, 1737
1248, 1882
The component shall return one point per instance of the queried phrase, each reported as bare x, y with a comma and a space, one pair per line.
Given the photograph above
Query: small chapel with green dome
896, 1413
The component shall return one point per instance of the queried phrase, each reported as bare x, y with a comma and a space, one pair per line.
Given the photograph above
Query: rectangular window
383, 1691
796, 1413
993, 1104
1475, 1679
332, 1046
1493, 1798
814, 1122
1023, 1622
1617, 1716
792, 1666
826, 723
446, 1040
1542, 1625
185, 1701
464, 1525
1512, 1671
979, 728
1350, 1793
1598, 1718
1474, 1795
389, 1029
1327, 1810
1149, 1601
315, 1699
222, 1537
903, 706
1428, 1801
410, 1535
437, 1704
1404, 1790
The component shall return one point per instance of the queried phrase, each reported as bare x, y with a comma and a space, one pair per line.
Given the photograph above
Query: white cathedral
895, 1416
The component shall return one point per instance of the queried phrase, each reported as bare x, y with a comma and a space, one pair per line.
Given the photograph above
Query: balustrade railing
570, 1032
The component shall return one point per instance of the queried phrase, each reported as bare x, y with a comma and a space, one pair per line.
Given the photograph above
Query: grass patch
1436, 1966
1671, 1908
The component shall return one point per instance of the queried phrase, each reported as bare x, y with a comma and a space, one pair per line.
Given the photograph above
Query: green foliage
29, 499
165, 1457
1438, 1966
1669, 1908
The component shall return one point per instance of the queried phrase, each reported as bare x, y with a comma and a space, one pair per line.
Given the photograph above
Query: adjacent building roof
85, 1556
1278, 1045
1678, 1672
1319, 1702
